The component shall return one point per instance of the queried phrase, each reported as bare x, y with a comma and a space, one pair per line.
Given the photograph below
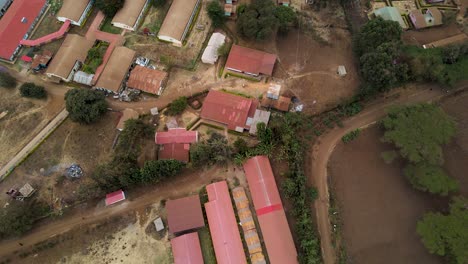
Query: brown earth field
86, 145
378, 207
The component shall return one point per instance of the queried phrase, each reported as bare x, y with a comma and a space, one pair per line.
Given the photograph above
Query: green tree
240, 145
133, 135
85, 106
155, 171
178, 106
286, 17
258, 20
216, 13
375, 33
380, 72
447, 235
430, 178
6, 80
33, 91
418, 132
214, 150
224, 49
19, 217
158, 3
109, 7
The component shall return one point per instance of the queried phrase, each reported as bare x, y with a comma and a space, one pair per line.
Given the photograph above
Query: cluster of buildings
185, 217
416, 18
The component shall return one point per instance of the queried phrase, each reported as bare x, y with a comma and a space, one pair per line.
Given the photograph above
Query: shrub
216, 13
351, 136
389, 156
6, 80
178, 106
33, 91
85, 106
110, 7
430, 178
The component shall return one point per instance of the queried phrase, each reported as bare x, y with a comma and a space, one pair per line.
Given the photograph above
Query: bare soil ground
86, 145
378, 207
421, 37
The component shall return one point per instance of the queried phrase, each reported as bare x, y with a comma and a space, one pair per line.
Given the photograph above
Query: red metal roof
47, 38
115, 197
26, 58
229, 109
223, 225
176, 135
16, 23
146, 79
186, 249
184, 214
270, 212
250, 61
176, 151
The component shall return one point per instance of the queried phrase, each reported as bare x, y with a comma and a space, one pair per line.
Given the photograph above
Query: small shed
115, 197
274, 91
341, 71
184, 214
210, 55
83, 78
158, 223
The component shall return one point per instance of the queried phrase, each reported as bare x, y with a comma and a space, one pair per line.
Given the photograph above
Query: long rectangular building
17, 24
178, 20
130, 15
270, 212
116, 70
223, 225
75, 10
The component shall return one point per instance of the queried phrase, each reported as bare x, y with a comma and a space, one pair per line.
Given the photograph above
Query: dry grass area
23, 120
86, 145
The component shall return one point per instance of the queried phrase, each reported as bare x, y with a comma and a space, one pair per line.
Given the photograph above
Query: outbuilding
184, 214
147, 80
115, 197
210, 55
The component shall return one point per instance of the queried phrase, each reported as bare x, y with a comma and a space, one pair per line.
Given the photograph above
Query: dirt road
325, 145
186, 183
32, 145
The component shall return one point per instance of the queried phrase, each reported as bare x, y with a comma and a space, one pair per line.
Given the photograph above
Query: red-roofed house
115, 197
175, 143
17, 23
184, 214
186, 249
223, 225
229, 109
270, 212
147, 80
250, 61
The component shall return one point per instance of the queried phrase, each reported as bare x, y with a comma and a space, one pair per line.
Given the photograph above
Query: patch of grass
206, 244
241, 76
236, 93
109, 28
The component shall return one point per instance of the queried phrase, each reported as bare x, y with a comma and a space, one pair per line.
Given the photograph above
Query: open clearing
378, 207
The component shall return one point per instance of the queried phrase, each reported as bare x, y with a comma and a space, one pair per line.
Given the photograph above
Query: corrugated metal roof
228, 109
176, 135
16, 22
223, 225
186, 249
73, 9
250, 61
177, 19
176, 151
129, 13
269, 208
146, 79
210, 55
184, 214
116, 69
83, 78
391, 13
115, 197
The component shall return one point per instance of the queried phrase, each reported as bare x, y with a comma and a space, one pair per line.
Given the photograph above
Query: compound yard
378, 207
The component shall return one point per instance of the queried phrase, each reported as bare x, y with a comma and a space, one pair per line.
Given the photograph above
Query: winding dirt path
325, 145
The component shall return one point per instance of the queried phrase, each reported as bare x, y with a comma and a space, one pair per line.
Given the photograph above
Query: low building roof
177, 19
175, 151
436, 15
16, 22
41, 59
146, 79
391, 13
115, 197
116, 69
281, 104
158, 223
186, 249
74, 48
73, 9
250, 61
419, 20
223, 225
270, 212
176, 135
129, 13
229, 109
210, 55
127, 114
184, 214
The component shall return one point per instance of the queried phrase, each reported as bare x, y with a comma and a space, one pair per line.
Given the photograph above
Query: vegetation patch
31, 90
351, 136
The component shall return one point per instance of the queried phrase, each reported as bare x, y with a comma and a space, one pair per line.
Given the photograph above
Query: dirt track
187, 183
324, 147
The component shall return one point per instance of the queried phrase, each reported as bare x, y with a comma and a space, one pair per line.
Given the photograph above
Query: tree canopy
110, 7
177, 106
261, 18
214, 150
85, 106
430, 178
19, 217
6, 80
216, 13
155, 171
375, 33
33, 91
447, 235
418, 132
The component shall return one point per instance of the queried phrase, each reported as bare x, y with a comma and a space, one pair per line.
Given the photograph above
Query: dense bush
351, 136
216, 13
155, 171
213, 151
158, 3
447, 235
19, 217
85, 106
110, 7
178, 106
375, 33
430, 178
33, 91
6, 80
